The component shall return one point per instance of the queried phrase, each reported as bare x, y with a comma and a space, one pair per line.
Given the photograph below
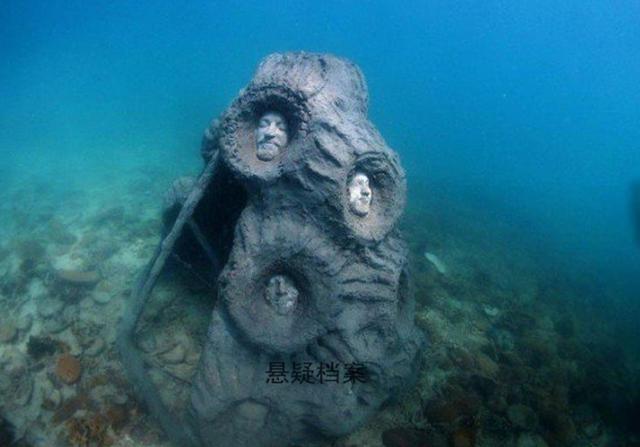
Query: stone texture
302, 277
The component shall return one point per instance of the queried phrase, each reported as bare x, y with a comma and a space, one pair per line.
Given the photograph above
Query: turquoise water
524, 111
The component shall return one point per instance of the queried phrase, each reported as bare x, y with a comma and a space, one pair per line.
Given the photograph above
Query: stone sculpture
297, 210
271, 135
359, 194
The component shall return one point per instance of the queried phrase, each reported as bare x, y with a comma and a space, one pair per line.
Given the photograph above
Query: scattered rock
68, 369
55, 326
522, 417
101, 297
437, 263
95, 348
7, 332
50, 307
490, 311
79, 278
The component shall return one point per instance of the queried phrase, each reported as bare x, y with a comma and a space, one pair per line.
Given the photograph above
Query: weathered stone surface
352, 303
312, 269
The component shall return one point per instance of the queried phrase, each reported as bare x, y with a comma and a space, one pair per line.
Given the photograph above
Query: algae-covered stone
79, 278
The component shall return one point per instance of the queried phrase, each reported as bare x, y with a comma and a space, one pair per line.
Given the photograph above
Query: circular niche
288, 116
373, 196
279, 295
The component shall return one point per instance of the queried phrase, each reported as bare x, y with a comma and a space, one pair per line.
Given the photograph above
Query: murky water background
517, 125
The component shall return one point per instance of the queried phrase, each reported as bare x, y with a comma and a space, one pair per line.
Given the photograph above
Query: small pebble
49, 308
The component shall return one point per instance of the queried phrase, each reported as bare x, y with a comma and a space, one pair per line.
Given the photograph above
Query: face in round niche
272, 135
360, 194
282, 294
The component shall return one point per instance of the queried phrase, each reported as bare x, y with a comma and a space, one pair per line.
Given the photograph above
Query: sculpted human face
359, 195
271, 136
282, 294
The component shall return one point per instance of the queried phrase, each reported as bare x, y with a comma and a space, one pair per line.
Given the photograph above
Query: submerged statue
271, 135
297, 212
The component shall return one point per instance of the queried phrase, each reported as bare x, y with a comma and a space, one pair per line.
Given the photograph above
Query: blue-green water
526, 110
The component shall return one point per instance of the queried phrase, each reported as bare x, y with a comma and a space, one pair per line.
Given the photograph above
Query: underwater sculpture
359, 194
297, 212
271, 135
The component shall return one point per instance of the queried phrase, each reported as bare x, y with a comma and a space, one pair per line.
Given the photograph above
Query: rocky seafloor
519, 354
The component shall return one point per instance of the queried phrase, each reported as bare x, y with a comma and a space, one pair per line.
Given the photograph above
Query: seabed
516, 355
